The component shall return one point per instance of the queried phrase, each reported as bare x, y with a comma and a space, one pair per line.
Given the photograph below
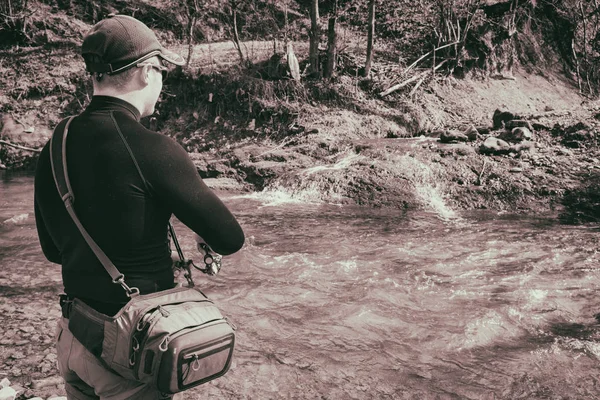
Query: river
344, 302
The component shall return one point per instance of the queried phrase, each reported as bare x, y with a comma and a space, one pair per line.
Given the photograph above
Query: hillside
333, 140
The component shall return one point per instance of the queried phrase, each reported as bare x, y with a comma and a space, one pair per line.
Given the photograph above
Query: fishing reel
212, 260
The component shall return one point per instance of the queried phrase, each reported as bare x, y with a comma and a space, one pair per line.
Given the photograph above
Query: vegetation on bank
353, 70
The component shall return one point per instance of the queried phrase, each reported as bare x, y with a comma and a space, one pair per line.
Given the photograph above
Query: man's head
127, 61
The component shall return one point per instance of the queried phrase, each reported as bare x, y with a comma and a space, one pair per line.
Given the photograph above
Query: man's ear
144, 75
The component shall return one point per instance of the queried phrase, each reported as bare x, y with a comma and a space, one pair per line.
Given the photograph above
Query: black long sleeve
126, 216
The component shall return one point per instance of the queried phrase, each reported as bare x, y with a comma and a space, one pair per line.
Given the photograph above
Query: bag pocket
195, 356
87, 326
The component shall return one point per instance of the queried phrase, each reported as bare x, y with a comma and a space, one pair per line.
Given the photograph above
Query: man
127, 217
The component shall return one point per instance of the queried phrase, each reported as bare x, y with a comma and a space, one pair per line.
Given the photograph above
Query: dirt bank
386, 152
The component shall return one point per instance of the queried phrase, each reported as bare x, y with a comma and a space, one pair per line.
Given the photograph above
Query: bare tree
332, 42
315, 35
191, 8
233, 5
371, 38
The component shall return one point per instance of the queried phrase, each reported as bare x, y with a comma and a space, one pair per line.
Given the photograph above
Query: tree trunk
371, 38
332, 44
236, 37
191, 25
315, 34
286, 27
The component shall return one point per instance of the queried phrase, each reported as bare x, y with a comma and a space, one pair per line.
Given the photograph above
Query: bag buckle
66, 303
131, 291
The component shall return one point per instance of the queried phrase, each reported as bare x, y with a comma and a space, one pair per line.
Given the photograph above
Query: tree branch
4, 142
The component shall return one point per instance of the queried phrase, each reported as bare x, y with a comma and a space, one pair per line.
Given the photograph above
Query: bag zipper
164, 344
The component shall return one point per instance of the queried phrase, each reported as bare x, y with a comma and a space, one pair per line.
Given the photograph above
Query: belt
66, 303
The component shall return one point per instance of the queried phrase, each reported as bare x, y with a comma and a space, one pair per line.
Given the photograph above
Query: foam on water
347, 160
277, 196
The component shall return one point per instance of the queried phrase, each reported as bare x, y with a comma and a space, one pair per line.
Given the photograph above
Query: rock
436, 133
494, 145
472, 133
501, 116
8, 393
483, 130
564, 152
294, 128
580, 126
17, 355
578, 138
57, 398
4, 383
515, 169
453, 136
540, 127
523, 146
516, 123
517, 135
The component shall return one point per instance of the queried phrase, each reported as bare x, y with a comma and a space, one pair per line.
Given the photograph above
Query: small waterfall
427, 189
379, 177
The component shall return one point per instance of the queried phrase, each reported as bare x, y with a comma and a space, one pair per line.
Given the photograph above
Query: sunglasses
163, 70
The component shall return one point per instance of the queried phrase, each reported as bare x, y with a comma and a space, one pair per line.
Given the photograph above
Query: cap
120, 42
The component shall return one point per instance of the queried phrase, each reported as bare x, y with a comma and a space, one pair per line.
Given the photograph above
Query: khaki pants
87, 378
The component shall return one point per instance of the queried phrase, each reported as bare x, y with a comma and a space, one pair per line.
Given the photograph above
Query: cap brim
171, 57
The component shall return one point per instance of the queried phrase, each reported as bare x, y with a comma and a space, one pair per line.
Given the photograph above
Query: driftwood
4, 142
420, 77
411, 66
402, 84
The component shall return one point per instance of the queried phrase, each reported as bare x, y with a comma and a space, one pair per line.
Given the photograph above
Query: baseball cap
119, 42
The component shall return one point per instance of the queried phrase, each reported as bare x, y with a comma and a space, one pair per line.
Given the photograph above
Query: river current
344, 302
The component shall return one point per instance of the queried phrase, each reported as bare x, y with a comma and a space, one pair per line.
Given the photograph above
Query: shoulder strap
58, 161
145, 183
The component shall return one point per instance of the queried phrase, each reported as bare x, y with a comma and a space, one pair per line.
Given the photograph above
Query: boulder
517, 135
501, 117
472, 133
517, 123
453, 136
494, 145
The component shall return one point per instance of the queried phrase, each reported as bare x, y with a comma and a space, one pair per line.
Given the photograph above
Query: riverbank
381, 153
335, 141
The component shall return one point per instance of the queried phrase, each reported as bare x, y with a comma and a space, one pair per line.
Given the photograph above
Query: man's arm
176, 182
48, 247
43, 178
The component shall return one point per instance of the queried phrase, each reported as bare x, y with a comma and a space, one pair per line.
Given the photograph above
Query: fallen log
6, 143
402, 84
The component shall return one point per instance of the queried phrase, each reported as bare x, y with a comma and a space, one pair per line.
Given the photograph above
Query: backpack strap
58, 161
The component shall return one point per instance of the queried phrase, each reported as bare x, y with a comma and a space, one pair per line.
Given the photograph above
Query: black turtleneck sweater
127, 219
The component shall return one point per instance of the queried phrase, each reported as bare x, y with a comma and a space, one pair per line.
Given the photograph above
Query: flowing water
342, 302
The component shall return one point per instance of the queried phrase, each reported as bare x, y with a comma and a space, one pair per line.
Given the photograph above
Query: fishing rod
212, 260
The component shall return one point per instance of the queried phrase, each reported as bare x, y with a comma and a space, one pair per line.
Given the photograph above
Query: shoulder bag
175, 339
